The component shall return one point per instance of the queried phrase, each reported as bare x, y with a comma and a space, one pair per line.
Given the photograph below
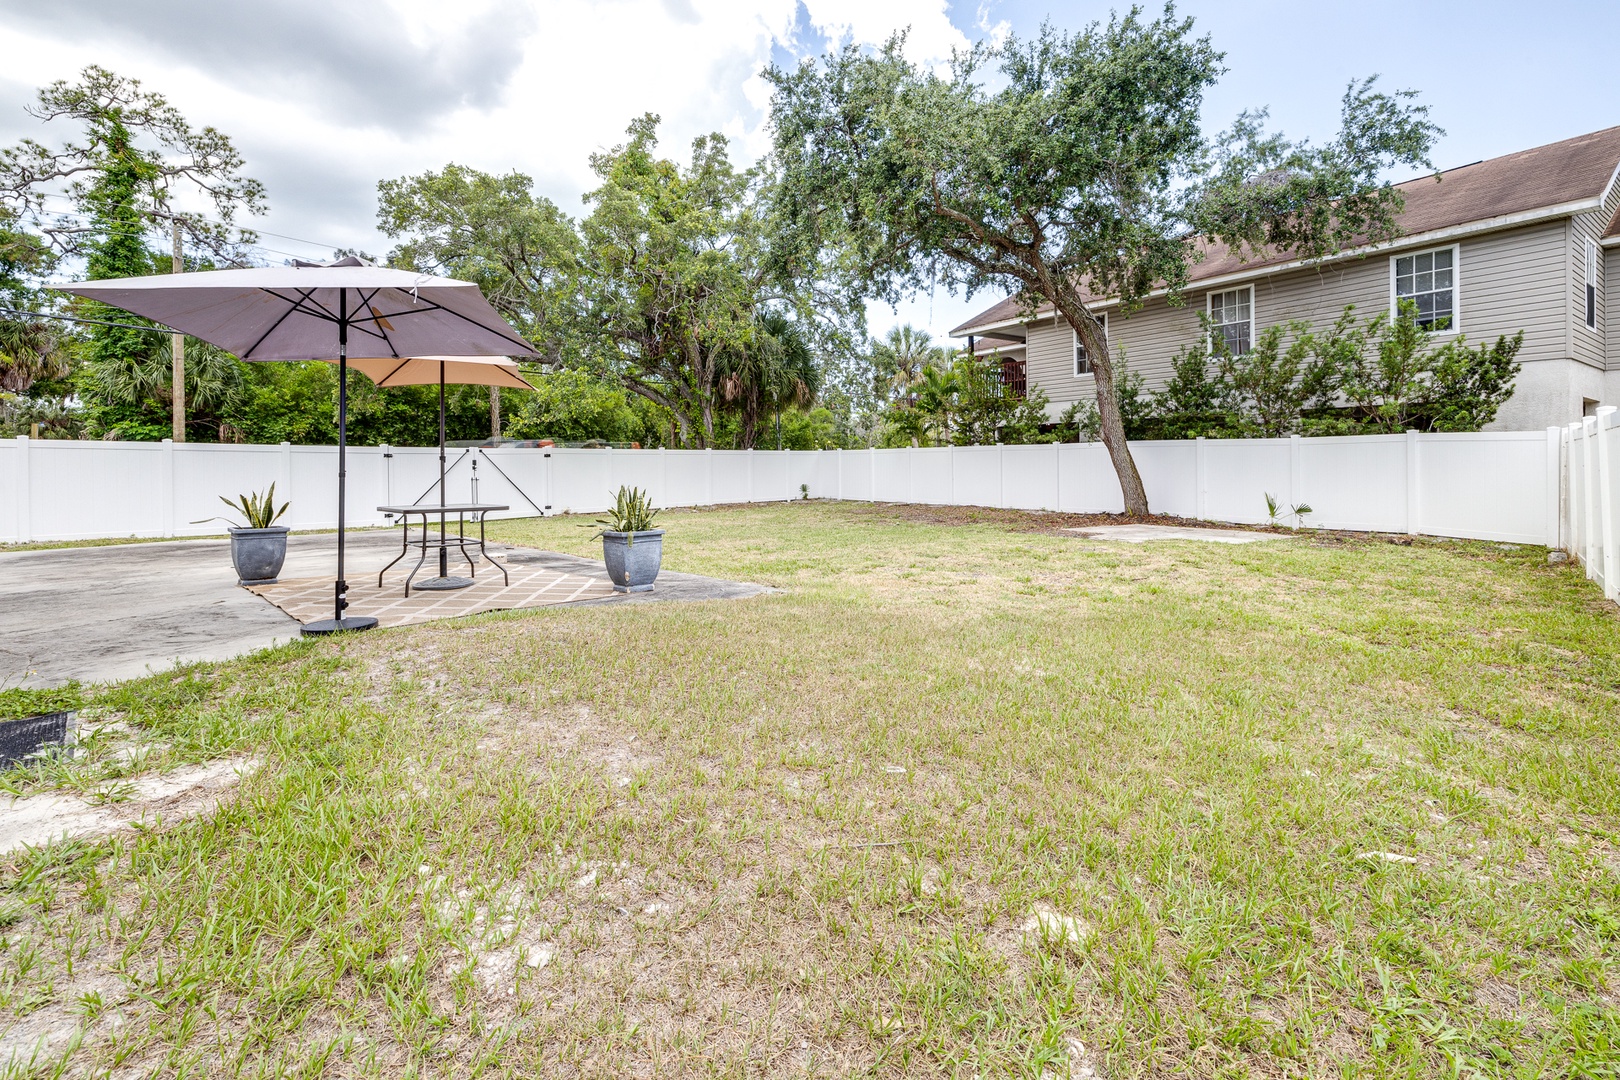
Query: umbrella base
442, 584
334, 626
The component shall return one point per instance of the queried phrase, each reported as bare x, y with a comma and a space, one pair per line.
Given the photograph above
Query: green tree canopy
518, 247
1080, 173
103, 196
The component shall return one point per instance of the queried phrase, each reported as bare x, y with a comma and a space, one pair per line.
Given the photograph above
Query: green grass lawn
963, 799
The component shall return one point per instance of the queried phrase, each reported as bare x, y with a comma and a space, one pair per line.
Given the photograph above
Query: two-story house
1521, 242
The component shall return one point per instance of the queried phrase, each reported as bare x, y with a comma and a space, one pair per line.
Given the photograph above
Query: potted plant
632, 549
34, 722
259, 547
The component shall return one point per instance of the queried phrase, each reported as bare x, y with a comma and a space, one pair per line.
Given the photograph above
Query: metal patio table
443, 541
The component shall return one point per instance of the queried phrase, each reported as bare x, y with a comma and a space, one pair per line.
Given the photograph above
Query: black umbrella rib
429, 305
402, 362
297, 305
306, 304
381, 330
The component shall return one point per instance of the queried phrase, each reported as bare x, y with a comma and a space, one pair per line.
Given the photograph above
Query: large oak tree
1068, 169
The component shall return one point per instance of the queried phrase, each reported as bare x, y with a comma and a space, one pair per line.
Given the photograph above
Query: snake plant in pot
632, 549
259, 547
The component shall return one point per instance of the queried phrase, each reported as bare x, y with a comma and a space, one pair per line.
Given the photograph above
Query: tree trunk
1112, 426
494, 412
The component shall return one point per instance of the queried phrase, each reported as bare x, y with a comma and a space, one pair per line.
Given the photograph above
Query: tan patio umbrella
425, 371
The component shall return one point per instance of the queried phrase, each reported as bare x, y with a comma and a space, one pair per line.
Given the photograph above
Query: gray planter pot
633, 566
258, 554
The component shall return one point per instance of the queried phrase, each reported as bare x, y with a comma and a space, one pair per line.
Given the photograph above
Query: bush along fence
1503, 486
1592, 497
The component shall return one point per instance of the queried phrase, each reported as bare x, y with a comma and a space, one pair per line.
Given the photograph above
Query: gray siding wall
1586, 345
1507, 281
1610, 306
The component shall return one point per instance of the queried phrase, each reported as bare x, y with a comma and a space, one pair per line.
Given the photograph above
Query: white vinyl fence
1490, 485
1592, 450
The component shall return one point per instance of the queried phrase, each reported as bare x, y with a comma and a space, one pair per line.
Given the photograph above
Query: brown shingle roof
1551, 175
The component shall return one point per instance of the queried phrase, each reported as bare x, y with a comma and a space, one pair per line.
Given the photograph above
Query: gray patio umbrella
308, 311
461, 371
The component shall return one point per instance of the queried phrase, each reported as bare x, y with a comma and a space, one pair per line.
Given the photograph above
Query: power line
96, 322
228, 225
141, 232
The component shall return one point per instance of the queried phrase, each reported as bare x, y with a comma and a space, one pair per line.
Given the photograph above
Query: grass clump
18, 702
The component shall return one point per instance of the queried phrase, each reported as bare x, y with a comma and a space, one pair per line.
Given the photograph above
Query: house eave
1449, 233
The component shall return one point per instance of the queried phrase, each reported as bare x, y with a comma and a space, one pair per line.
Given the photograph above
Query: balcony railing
1013, 379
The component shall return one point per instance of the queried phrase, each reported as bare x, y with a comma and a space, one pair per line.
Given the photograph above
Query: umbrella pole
444, 581
339, 600
444, 552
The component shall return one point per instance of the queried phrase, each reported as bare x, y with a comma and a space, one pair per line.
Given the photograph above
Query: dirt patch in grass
36, 820
1039, 521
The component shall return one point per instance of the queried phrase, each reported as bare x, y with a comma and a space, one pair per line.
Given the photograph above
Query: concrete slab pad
100, 614
1140, 534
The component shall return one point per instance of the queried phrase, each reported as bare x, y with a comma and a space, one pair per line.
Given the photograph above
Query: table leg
411, 576
484, 552
404, 550
461, 537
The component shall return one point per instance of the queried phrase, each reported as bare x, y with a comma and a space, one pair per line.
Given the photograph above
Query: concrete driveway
100, 614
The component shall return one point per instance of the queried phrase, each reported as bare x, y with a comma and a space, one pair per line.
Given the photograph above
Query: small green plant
18, 701
632, 512
1279, 512
259, 509
804, 491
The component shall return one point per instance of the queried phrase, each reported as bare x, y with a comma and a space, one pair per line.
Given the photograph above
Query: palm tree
902, 357
213, 378
936, 398
776, 369
30, 350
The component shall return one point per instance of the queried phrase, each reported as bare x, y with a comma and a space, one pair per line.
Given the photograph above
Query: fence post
1001, 477
750, 472
388, 470
1611, 588
1555, 444
1057, 476
911, 475
1296, 472
25, 491
1200, 480
1594, 524
708, 476
1411, 482
166, 488
871, 468
1573, 504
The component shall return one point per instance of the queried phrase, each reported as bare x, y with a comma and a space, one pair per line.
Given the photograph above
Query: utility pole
179, 349
494, 412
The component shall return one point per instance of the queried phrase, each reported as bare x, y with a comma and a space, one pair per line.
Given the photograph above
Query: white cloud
326, 99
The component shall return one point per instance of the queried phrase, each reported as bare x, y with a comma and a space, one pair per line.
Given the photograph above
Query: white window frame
1589, 287
1074, 353
1456, 284
1209, 312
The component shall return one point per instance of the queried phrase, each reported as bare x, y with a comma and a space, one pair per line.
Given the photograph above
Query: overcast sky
325, 98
